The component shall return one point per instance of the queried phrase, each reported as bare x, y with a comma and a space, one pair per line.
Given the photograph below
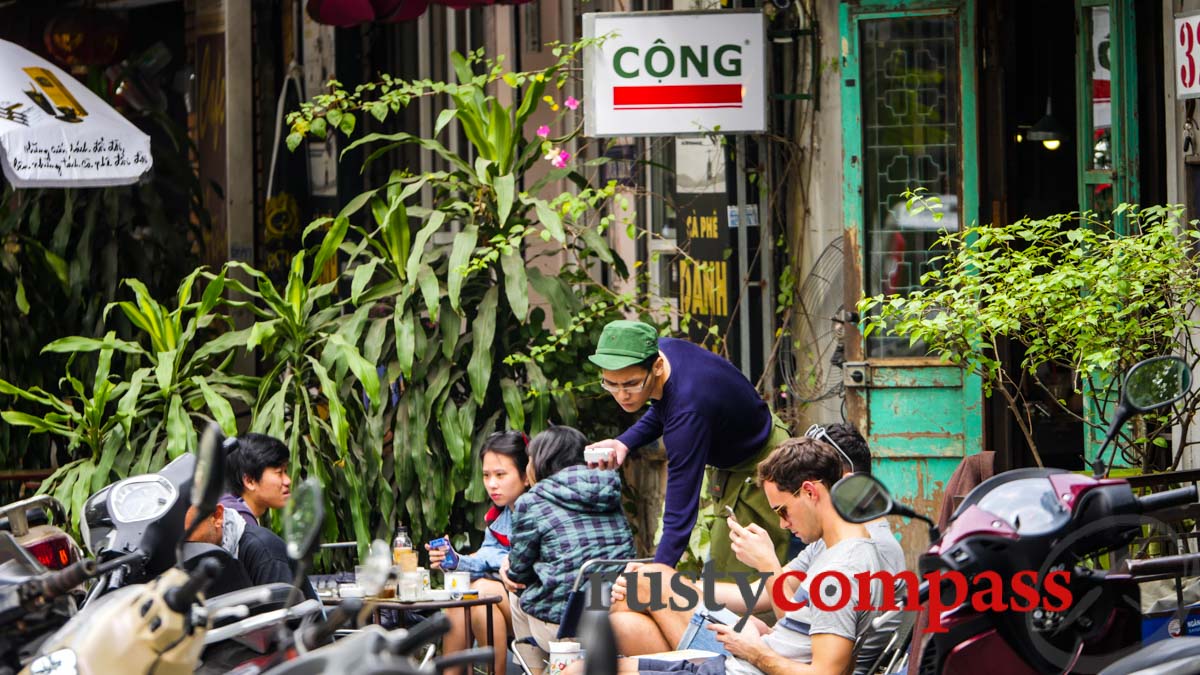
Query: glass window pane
911, 139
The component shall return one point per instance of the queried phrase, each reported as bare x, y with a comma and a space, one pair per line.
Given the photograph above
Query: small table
466, 604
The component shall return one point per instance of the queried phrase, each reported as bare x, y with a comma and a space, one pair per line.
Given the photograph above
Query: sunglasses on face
782, 509
818, 432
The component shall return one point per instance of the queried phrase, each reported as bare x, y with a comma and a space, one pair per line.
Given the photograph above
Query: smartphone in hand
729, 510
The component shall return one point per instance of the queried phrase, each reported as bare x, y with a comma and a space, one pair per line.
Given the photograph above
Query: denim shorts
713, 666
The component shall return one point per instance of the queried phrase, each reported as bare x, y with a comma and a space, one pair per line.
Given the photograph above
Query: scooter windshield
1029, 505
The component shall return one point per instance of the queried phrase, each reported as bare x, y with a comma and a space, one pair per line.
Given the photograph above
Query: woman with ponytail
504, 459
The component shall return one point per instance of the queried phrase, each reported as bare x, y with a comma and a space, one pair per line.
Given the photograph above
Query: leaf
337, 411
443, 119
220, 408
483, 331
451, 326
436, 219
596, 243
512, 404
505, 186
38, 424
460, 255
181, 437
261, 333
516, 286
362, 276
164, 372
22, 301
329, 246
69, 345
430, 289
549, 219
405, 342
297, 291
364, 370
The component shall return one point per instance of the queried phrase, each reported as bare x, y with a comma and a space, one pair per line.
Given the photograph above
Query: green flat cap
625, 343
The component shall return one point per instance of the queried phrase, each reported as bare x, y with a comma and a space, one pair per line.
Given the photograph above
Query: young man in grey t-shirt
797, 478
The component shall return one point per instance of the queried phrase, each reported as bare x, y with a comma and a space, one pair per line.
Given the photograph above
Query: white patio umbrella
54, 132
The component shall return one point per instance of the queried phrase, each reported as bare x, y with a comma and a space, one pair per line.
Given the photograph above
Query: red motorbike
1014, 586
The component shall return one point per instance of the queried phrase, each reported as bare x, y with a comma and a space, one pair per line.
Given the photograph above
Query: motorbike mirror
375, 569
859, 498
302, 518
1156, 382
208, 477
1149, 385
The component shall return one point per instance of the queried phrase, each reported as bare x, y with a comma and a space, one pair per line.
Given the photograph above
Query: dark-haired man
256, 466
796, 479
708, 415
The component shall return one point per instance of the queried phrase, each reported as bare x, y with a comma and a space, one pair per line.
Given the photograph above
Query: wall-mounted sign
672, 73
1187, 56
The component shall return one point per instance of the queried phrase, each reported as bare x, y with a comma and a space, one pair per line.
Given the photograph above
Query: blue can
451, 561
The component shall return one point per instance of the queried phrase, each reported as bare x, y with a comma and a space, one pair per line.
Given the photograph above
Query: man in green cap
708, 415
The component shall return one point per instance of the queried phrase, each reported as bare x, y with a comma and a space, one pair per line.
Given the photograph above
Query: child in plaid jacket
571, 514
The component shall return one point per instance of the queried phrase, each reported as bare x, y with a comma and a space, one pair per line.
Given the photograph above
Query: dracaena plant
452, 324
141, 408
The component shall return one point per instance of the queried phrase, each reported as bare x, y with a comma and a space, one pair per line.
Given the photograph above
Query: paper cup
458, 581
562, 654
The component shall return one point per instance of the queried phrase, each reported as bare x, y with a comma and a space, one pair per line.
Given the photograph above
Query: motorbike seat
1157, 654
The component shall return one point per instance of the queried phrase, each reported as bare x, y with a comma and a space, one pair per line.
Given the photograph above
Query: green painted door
909, 120
1106, 140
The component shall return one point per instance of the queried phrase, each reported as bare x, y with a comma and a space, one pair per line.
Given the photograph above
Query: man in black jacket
261, 552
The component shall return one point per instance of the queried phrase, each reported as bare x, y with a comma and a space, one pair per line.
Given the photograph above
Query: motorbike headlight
141, 498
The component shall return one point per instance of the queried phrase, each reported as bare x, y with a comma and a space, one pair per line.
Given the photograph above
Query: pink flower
571, 102
560, 161
543, 131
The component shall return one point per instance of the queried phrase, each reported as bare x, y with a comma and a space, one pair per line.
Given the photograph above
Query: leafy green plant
1074, 295
61, 256
116, 426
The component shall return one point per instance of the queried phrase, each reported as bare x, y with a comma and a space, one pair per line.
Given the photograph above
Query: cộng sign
673, 73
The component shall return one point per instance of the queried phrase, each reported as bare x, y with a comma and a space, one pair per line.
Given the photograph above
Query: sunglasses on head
818, 432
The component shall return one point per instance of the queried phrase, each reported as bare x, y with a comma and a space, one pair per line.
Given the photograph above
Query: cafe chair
576, 602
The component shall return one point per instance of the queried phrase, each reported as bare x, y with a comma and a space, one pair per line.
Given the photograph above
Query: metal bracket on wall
812, 33
856, 374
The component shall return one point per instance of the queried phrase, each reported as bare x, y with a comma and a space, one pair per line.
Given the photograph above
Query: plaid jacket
563, 521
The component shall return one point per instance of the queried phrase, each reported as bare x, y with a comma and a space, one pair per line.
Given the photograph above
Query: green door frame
915, 463
1124, 139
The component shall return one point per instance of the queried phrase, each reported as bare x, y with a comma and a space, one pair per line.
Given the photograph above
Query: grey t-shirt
893, 561
791, 637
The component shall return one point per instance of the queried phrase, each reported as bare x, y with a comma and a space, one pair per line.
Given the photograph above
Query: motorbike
28, 522
153, 628
1040, 533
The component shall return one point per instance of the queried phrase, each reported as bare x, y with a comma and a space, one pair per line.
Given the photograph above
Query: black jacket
264, 556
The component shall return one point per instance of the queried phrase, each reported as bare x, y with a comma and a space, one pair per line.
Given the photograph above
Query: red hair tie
524, 438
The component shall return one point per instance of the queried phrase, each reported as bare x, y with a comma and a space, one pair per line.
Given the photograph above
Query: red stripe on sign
678, 96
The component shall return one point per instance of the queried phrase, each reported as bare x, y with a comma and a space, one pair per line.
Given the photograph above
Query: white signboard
1187, 56
672, 73
54, 132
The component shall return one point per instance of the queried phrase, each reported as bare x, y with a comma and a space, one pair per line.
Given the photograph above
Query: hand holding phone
732, 515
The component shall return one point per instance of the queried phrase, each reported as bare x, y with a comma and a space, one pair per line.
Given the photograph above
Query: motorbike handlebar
317, 635
1166, 499
180, 598
425, 632
62, 581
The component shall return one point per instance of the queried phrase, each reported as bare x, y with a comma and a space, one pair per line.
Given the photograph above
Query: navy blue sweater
709, 414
